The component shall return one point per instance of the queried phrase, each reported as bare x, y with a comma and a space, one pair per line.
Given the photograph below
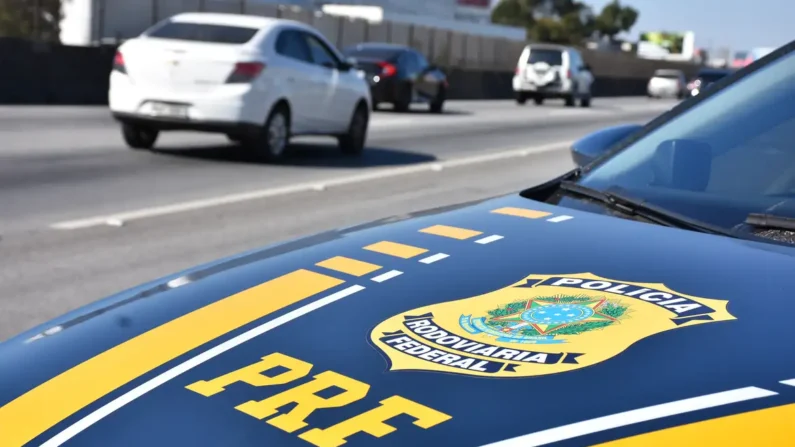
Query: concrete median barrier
38, 73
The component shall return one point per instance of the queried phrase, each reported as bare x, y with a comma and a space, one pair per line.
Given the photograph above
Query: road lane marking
790, 382
631, 417
559, 219
522, 212
372, 175
349, 266
434, 258
38, 410
150, 385
395, 249
489, 239
387, 276
451, 232
768, 427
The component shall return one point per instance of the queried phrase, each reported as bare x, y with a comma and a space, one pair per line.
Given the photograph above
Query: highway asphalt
82, 216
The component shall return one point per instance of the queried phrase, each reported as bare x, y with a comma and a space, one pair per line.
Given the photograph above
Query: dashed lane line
118, 219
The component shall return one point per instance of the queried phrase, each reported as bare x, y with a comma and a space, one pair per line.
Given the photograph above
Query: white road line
372, 175
560, 219
74, 429
489, 239
434, 258
790, 382
634, 417
387, 276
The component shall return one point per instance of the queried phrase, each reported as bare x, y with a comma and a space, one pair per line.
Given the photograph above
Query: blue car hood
468, 325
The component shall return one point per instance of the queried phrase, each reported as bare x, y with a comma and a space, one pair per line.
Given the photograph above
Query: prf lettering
307, 399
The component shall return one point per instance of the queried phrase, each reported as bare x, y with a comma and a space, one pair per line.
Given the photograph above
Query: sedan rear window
203, 32
551, 57
384, 54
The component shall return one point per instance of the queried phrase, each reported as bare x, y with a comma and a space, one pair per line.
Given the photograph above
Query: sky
736, 24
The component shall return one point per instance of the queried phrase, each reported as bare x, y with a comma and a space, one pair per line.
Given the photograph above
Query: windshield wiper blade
771, 221
639, 208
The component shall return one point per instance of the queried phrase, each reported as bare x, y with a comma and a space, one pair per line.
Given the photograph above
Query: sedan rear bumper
162, 124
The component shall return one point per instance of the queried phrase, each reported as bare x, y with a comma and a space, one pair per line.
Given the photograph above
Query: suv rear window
666, 75
203, 32
551, 57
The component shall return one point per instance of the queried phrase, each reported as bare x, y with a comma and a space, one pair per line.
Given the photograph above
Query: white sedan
258, 80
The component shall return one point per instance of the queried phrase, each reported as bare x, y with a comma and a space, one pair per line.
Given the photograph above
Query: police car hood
469, 325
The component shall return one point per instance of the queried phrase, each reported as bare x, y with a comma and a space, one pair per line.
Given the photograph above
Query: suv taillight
118, 63
245, 72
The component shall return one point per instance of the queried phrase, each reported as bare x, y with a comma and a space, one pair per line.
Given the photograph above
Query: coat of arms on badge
543, 324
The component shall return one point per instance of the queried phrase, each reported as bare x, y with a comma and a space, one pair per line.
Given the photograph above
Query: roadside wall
480, 67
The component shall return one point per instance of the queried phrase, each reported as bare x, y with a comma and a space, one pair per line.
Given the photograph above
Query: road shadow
301, 154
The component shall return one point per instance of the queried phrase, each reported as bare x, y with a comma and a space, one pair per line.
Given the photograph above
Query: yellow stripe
769, 428
395, 249
350, 266
522, 212
451, 232
38, 410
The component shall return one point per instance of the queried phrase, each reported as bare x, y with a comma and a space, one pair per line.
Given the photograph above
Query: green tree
31, 19
519, 13
554, 21
615, 19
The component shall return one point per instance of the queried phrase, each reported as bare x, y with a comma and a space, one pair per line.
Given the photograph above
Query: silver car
667, 84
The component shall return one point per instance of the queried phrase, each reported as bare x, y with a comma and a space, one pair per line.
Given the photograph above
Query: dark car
704, 78
641, 299
399, 75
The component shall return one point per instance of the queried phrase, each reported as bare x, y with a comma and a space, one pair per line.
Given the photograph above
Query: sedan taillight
387, 69
118, 63
245, 72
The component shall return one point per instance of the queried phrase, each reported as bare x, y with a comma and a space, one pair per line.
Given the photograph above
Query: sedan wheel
273, 139
353, 142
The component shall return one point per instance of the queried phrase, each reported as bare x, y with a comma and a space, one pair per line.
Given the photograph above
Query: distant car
399, 75
667, 83
258, 80
547, 71
704, 78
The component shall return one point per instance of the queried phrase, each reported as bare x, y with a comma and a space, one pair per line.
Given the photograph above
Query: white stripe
634, 417
790, 382
387, 276
488, 239
172, 373
560, 219
372, 175
434, 258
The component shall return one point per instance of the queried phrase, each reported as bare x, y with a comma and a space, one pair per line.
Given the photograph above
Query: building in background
667, 45
472, 11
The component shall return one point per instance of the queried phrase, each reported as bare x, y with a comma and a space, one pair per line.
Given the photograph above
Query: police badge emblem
543, 324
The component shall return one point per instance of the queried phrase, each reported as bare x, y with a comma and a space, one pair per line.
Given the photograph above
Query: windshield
729, 155
712, 76
551, 57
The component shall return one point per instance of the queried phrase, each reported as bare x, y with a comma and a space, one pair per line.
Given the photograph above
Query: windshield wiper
771, 221
639, 208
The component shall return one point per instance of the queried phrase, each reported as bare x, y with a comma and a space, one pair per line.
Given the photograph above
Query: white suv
258, 80
552, 71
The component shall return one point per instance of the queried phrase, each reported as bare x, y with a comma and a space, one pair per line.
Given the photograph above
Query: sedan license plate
169, 110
